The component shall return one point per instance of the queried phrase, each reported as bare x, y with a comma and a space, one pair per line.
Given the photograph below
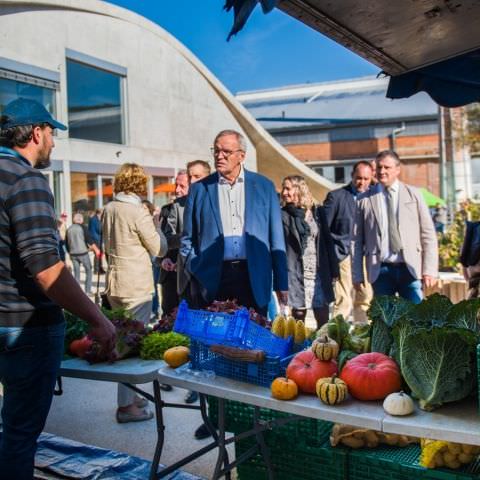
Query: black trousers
234, 284
169, 292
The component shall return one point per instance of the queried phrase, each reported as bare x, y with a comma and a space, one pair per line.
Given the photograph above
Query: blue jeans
396, 278
29, 363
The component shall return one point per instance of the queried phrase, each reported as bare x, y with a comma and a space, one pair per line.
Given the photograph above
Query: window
11, 89
339, 175
84, 192
94, 103
162, 190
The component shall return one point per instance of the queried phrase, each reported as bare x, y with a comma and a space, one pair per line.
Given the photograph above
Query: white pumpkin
398, 403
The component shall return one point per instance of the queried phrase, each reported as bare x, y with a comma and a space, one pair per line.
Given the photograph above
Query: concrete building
330, 126
129, 92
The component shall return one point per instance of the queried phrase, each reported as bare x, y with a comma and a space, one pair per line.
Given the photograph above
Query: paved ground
86, 413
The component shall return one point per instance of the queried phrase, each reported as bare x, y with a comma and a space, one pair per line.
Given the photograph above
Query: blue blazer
203, 242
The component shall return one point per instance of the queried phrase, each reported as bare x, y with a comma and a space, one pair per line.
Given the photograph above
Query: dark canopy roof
431, 46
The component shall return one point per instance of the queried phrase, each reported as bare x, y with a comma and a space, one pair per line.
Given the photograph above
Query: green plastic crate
239, 417
394, 463
291, 463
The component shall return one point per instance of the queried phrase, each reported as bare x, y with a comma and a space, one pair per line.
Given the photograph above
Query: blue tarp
242, 9
451, 83
70, 459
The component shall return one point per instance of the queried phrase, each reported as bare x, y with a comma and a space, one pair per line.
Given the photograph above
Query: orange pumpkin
176, 356
305, 369
284, 388
371, 376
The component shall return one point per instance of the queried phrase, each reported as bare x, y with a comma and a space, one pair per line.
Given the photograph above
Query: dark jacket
296, 287
95, 230
340, 206
203, 241
327, 264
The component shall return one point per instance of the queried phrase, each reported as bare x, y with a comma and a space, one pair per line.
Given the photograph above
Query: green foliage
384, 312
155, 344
450, 243
434, 344
344, 357
356, 339
473, 126
74, 328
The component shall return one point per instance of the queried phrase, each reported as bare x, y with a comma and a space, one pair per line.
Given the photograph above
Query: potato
438, 460
454, 448
402, 441
465, 458
476, 450
453, 464
371, 436
468, 449
390, 439
353, 442
449, 457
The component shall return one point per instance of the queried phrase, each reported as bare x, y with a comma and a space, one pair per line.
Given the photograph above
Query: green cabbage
433, 343
436, 363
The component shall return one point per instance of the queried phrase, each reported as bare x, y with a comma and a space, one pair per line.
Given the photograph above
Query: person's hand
168, 265
282, 297
428, 281
103, 332
358, 286
466, 275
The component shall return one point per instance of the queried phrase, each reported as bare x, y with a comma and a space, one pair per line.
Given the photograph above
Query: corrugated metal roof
332, 107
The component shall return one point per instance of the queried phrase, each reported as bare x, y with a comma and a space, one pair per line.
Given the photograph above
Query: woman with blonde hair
312, 264
130, 239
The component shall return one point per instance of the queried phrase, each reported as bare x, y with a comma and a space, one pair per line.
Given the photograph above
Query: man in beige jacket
395, 233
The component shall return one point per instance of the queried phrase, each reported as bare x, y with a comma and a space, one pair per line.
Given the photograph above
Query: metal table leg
160, 429
261, 442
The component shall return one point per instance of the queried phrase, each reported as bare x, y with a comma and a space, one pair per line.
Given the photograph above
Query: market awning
431, 199
426, 46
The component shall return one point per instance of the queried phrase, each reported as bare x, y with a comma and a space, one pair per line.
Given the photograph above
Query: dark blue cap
24, 111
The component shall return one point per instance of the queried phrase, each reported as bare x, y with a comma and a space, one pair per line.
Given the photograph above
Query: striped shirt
28, 243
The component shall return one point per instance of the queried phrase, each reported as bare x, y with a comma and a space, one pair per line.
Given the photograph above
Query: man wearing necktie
395, 233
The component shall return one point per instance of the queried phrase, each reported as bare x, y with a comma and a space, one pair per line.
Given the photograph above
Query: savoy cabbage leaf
431, 312
384, 312
465, 315
436, 363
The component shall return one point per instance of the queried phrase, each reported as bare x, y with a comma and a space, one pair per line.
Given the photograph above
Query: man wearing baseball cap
34, 285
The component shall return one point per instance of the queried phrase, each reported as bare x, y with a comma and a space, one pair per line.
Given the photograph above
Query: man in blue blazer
233, 244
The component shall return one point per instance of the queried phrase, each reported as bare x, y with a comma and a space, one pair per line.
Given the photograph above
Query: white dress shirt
386, 254
232, 212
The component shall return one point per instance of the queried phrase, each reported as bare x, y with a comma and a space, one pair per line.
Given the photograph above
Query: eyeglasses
226, 153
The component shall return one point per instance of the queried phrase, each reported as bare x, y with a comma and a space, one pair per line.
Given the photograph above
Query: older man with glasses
233, 244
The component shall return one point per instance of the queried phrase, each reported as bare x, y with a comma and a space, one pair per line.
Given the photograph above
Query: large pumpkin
371, 376
305, 369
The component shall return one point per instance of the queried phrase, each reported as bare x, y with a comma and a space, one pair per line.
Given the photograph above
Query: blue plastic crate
212, 327
259, 338
235, 330
201, 358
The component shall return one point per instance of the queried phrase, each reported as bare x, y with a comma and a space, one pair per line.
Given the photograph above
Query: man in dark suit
168, 275
233, 241
340, 207
233, 244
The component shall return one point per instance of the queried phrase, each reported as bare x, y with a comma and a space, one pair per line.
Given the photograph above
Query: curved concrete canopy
273, 160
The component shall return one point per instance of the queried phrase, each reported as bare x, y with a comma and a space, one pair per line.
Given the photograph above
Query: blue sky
272, 50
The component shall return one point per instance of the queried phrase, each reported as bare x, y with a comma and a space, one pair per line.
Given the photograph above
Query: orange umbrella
164, 188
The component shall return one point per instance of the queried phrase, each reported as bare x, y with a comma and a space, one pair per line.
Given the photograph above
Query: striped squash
331, 390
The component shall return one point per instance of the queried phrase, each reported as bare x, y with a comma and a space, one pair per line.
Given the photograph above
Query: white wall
173, 112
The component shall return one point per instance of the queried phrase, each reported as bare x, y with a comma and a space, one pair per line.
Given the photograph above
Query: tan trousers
347, 298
